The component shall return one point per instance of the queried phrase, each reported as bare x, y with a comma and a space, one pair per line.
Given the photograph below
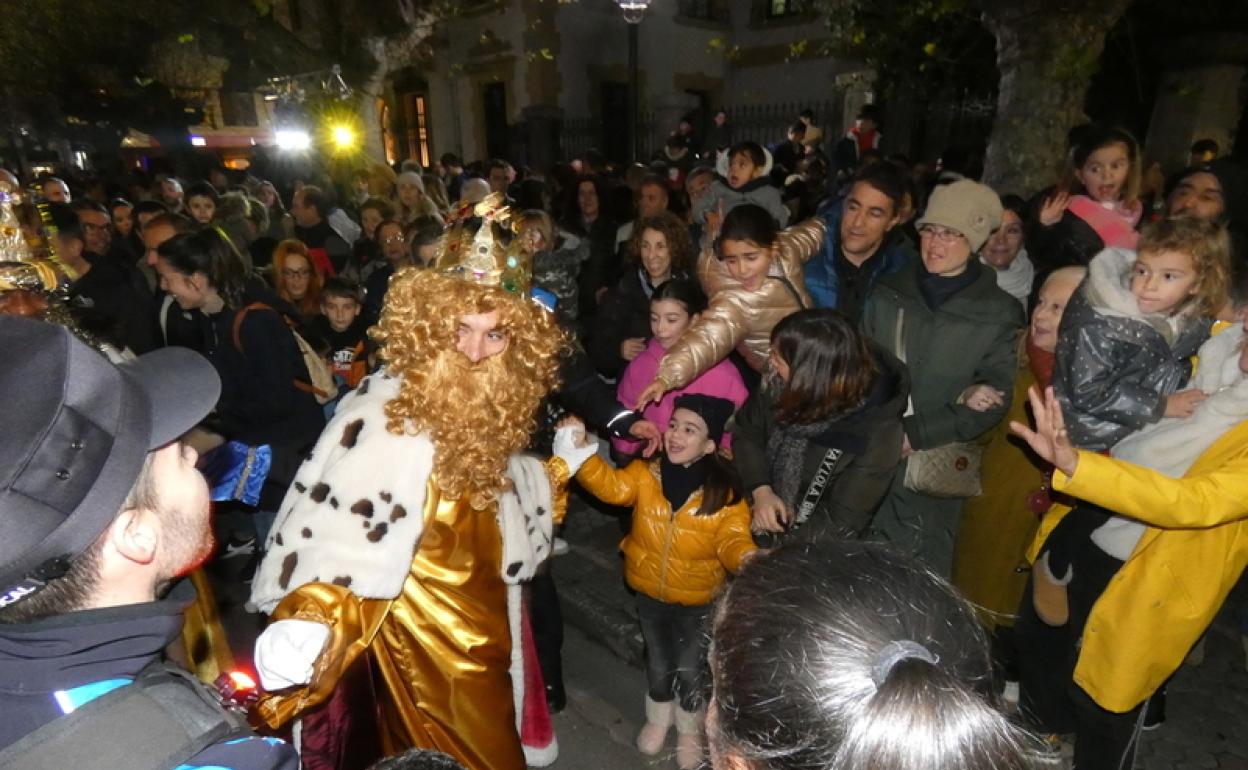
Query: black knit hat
1233, 178
713, 411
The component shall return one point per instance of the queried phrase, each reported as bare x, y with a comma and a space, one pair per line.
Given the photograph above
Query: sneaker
560, 547
237, 546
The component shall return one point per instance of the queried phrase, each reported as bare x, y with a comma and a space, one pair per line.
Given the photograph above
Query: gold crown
479, 246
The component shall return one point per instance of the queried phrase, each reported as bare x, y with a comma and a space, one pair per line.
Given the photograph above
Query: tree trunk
1046, 57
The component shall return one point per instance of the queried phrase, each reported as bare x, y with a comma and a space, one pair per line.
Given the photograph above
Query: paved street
1207, 709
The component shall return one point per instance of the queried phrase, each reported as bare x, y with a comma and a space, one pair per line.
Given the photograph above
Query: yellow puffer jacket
681, 557
740, 318
1168, 591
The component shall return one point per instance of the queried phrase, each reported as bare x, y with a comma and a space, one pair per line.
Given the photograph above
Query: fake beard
475, 421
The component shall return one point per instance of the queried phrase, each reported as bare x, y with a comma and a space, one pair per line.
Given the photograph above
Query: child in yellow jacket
691, 526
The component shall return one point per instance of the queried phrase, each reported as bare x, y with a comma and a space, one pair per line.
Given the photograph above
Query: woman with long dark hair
818, 445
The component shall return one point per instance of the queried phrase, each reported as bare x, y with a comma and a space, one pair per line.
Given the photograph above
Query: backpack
319, 372
158, 721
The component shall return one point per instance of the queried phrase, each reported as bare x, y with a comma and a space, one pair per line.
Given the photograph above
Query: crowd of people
797, 351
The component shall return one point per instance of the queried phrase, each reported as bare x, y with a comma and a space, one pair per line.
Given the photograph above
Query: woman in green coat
957, 332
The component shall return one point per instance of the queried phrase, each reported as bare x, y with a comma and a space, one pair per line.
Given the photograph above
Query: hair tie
893, 653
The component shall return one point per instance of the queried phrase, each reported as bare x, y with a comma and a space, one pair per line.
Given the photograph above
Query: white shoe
653, 735
689, 738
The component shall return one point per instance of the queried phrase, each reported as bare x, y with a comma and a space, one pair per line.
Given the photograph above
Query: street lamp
633, 11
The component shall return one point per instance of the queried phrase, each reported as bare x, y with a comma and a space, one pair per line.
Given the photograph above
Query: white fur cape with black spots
352, 517
353, 514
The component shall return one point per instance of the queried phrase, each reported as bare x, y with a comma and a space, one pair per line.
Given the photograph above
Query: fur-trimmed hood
1107, 290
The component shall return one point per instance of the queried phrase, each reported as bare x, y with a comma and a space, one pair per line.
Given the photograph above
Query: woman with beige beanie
946, 318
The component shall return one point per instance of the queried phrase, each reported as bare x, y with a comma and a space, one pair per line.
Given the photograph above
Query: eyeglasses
940, 234
296, 272
394, 239
89, 226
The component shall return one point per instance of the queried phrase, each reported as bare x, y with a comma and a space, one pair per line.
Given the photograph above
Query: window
238, 109
416, 121
779, 8
702, 10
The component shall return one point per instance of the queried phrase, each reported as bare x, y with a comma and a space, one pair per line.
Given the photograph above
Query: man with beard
101, 507
402, 541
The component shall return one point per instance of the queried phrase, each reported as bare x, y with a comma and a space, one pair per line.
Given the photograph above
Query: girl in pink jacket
674, 306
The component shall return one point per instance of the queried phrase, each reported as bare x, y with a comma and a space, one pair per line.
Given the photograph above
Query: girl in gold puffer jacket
691, 525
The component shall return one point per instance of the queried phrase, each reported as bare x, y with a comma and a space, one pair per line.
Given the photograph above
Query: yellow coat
681, 557
739, 318
999, 524
1178, 576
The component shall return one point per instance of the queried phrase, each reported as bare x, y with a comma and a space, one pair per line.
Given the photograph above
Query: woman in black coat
818, 445
659, 250
266, 393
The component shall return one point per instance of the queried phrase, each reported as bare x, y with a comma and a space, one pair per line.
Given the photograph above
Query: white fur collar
353, 515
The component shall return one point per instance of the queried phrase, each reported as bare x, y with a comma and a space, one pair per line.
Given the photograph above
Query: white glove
565, 447
287, 651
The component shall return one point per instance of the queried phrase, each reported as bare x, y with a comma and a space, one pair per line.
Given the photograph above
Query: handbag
949, 471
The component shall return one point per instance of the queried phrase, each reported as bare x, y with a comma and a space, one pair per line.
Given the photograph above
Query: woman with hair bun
848, 655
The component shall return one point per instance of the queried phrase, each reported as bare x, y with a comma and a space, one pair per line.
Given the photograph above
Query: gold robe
442, 647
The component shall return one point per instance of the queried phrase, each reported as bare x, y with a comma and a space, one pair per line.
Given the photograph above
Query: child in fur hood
1130, 330
743, 175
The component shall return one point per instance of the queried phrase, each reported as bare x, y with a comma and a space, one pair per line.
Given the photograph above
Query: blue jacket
821, 278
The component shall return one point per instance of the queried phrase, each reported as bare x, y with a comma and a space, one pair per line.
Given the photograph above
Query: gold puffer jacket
680, 557
739, 318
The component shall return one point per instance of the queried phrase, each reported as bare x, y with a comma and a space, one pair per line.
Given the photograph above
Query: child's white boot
689, 738
658, 719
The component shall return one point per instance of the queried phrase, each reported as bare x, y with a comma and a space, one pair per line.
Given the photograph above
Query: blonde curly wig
480, 414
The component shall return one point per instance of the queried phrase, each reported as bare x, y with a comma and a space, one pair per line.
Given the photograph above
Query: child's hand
770, 513
653, 392
982, 398
1053, 208
577, 427
572, 445
632, 347
1183, 403
649, 433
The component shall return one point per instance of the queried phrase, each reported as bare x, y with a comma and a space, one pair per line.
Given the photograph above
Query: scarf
937, 289
786, 447
1171, 445
1041, 363
1113, 222
680, 481
1016, 279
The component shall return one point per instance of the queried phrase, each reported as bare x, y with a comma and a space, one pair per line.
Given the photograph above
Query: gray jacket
1115, 365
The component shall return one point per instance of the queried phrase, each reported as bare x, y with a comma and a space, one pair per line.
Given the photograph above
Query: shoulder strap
164, 717
238, 322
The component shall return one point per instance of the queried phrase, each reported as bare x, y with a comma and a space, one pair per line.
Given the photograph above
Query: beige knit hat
971, 208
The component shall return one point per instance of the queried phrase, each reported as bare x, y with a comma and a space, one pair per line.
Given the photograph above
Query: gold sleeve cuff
557, 469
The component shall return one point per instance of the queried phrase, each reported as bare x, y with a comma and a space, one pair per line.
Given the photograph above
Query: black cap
1232, 176
713, 410
76, 430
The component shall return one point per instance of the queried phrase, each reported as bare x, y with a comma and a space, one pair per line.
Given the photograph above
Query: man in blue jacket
101, 509
862, 241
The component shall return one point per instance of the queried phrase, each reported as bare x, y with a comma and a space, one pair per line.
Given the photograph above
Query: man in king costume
406, 533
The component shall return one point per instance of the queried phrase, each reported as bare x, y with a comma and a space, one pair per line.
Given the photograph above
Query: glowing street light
343, 137
293, 139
